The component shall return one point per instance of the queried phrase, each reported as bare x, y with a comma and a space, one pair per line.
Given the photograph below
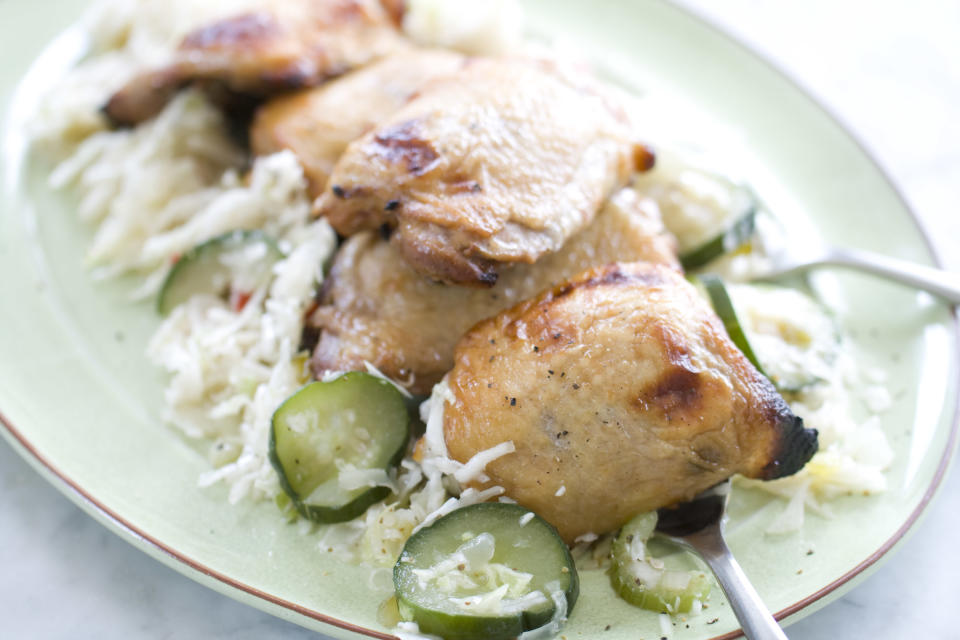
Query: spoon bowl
698, 525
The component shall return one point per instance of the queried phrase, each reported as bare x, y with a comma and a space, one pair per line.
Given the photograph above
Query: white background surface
889, 70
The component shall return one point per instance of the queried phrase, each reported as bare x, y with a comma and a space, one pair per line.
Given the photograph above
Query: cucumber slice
792, 334
734, 237
488, 571
723, 305
787, 335
654, 574
358, 422
709, 213
235, 263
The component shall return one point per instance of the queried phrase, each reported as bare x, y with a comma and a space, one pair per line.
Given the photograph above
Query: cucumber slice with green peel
723, 305
356, 423
736, 236
795, 338
488, 571
710, 213
235, 263
787, 335
654, 574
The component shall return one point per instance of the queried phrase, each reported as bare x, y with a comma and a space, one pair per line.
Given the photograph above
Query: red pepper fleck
240, 300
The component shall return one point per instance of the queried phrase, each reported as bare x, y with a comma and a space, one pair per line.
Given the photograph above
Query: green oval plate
80, 402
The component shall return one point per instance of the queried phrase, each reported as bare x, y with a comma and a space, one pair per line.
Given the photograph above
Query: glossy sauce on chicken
376, 308
622, 394
317, 124
500, 163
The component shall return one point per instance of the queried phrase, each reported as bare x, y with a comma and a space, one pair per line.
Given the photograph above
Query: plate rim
252, 596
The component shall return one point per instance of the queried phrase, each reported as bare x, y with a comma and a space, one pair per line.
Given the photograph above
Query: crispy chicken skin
498, 164
287, 45
377, 309
622, 388
317, 124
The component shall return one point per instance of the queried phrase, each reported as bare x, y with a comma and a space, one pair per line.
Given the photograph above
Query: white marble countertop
889, 70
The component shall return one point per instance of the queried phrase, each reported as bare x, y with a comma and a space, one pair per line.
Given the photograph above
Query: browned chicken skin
621, 393
377, 309
289, 45
500, 163
317, 124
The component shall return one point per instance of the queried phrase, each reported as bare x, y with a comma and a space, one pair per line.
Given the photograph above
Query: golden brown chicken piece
377, 309
288, 45
498, 164
317, 124
622, 394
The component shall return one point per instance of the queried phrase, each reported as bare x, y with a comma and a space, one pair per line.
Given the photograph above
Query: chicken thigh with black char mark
317, 124
286, 45
376, 308
622, 394
498, 164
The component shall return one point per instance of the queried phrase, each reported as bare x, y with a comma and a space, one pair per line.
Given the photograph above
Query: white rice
231, 369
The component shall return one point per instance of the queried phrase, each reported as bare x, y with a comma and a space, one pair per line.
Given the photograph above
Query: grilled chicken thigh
317, 124
377, 309
287, 45
621, 393
500, 163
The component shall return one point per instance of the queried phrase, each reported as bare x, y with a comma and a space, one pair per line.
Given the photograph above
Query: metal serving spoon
806, 255
698, 525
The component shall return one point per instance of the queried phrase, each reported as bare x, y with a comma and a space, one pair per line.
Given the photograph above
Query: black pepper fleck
338, 191
576, 386
513, 402
392, 205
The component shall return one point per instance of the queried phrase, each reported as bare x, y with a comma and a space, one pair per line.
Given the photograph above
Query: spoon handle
940, 283
756, 621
